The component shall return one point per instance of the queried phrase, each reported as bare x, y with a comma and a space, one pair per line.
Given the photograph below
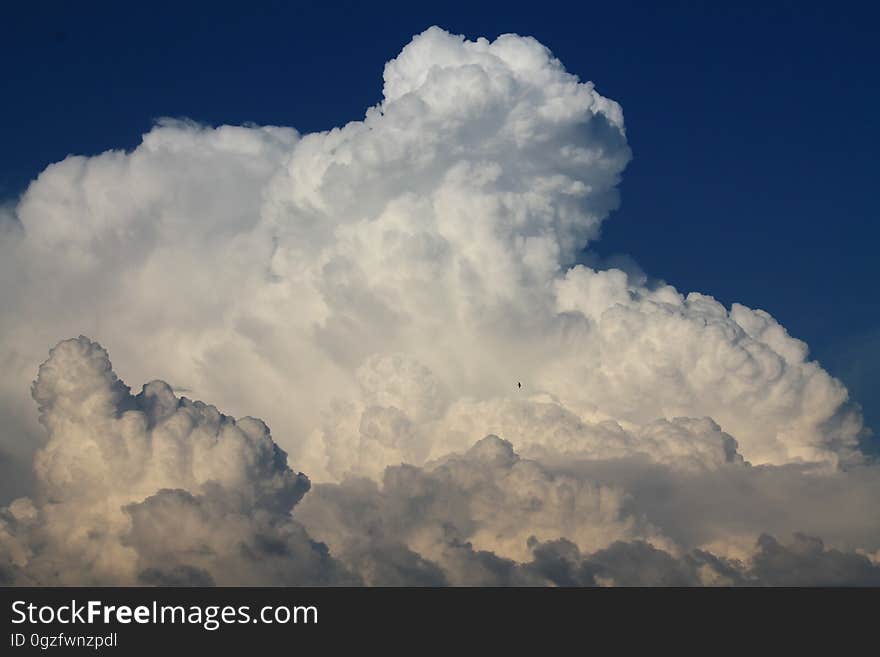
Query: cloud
487, 496
152, 488
489, 517
375, 292
803, 562
157, 489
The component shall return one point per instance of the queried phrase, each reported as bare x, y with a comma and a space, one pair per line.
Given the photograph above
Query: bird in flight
518, 384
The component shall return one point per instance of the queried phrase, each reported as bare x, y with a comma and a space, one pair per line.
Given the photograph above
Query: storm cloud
375, 293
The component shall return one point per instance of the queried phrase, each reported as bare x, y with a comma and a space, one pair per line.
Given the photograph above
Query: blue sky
754, 129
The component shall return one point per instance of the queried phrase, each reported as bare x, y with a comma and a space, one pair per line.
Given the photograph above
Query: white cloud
374, 293
157, 489
130, 485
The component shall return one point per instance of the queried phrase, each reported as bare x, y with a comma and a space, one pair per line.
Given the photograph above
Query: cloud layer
375, 293
156, 489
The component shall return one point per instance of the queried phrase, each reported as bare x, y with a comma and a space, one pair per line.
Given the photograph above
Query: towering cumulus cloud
375, 293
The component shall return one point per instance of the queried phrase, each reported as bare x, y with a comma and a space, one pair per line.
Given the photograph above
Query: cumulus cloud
487, 496
152, 488
489, 517
157, 489
375, 292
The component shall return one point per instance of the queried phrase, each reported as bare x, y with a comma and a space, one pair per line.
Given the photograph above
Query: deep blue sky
755, 130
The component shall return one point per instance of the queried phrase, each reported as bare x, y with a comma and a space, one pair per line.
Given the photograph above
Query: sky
754, 127
478, 295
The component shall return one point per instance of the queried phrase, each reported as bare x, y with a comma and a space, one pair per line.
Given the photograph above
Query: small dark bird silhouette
518, 384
